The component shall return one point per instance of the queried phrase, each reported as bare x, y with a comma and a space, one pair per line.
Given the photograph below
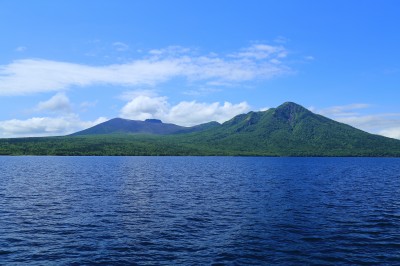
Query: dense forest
288, 130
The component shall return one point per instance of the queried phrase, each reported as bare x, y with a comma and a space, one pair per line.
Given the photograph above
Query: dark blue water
199, 211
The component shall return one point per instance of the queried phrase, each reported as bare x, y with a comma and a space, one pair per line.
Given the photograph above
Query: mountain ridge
287, 130
293, 130
149, 126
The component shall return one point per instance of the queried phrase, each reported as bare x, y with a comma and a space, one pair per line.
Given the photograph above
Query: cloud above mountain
45, 126
386, 124
185, 113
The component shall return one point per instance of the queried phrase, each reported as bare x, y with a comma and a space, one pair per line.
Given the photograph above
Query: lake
199, 211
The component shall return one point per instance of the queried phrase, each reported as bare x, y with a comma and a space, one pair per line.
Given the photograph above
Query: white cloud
57, 103
194, 113
259, 61
120, 46
184, 113
372, 123
171, 51
386, 124
313, 109
35, 75
383, 124
129, 95
263, 109
45, 126
391, 132
261, 51
143, 107
343, 110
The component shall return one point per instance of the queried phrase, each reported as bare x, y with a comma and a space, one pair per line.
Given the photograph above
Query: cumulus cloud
194, 113
259, 61
129, 95
143, 107
45, 126
185, 113
58, 103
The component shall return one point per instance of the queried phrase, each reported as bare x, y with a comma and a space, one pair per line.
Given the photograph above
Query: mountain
288, 130
149, 126
292, 130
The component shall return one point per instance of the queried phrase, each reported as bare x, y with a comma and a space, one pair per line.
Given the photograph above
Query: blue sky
67, 65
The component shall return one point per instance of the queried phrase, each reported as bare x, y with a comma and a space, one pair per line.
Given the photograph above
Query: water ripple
199, 211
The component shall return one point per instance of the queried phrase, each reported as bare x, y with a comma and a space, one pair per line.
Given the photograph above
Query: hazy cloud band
30, 76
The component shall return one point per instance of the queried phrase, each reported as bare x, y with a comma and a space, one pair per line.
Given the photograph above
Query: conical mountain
292, 130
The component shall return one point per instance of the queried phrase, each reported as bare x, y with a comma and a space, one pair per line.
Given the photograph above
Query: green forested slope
293, 130
289, 130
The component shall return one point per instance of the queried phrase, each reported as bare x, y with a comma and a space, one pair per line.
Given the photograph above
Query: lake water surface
199, 211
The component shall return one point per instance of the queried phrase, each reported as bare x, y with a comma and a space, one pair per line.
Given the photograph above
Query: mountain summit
149, 126
288, 130
292, 130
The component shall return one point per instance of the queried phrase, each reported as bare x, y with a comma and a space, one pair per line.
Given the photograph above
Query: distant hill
149, 126
288, 130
